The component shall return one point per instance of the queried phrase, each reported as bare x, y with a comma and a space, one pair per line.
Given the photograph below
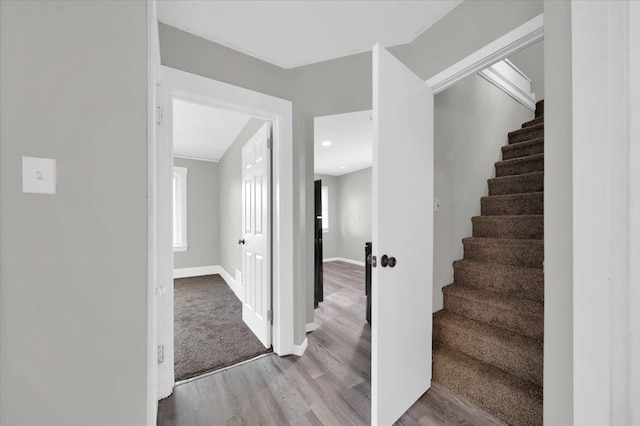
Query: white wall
203, 214
73, 266
601, 233
472, 119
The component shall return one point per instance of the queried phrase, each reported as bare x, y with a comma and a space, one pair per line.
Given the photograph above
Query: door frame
512, 42
174, 82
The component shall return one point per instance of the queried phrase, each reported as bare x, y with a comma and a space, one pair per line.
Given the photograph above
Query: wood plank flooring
328, 385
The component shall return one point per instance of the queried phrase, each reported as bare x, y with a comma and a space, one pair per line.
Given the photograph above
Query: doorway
176, 84
214, 325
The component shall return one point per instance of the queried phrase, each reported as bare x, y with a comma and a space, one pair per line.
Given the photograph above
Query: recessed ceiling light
327, 143
343, 167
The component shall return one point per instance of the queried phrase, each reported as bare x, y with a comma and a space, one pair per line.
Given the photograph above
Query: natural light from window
325, 209
180, 209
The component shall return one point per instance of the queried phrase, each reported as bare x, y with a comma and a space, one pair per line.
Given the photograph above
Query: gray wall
349, 214
231, 199
73, 266
558, 217
203, 215
331, 240
531, 62
355, 213
472, 119
337, 86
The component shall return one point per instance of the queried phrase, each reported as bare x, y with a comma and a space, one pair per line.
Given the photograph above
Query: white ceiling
295, 33
351, 136
204, 132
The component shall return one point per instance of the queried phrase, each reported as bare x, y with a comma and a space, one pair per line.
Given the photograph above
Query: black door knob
241, 241
387, 261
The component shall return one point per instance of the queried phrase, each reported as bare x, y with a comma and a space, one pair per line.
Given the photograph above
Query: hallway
328, 385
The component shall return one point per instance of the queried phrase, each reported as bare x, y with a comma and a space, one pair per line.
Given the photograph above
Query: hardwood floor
328, 385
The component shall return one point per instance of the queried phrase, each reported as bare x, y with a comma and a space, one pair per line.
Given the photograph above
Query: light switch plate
39, 175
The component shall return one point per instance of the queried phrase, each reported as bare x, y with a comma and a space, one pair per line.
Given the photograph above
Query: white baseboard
232, 283
343, 259
311, 326
298, 350
197, 271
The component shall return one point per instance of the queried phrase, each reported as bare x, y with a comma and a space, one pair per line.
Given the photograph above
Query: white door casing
256, 235
402, 203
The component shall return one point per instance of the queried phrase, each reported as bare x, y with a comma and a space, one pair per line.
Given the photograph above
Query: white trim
153, 66
520, 38
232, 283
196, 271
189, 86
187, 157
181, 210
343, 259
508, 82
298, 350
311, 326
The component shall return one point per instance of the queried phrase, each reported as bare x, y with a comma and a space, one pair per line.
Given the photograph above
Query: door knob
387, 261
241, 241
371, 260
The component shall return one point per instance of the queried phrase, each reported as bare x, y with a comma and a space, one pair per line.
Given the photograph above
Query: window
180, 209
325, 209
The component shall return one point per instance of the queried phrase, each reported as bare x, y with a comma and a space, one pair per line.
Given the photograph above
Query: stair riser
526, 135
517, 407
527, 284
534, 165
513, 359
517, 184
522, 150
508, 227
533, 122
539, 109
532, 203
519, 322
529, 256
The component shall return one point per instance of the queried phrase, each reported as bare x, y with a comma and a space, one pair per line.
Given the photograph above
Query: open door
256, 234
402, 238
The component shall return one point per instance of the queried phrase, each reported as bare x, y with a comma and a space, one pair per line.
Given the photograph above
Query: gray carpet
209, 331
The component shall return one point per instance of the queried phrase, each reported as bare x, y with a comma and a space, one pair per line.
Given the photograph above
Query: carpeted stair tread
512, 226
533, 122
520, 165
517, 184
526, 134
518, 315
516, 401
523, 149
517, 281
512, 204
527, 253
539, 108
511, 352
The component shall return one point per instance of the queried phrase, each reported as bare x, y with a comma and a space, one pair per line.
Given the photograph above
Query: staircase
488, 339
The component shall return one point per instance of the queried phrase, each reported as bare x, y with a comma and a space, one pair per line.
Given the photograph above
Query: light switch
38, 175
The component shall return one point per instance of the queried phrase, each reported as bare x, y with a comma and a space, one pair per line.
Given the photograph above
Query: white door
256, 236
403, 231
